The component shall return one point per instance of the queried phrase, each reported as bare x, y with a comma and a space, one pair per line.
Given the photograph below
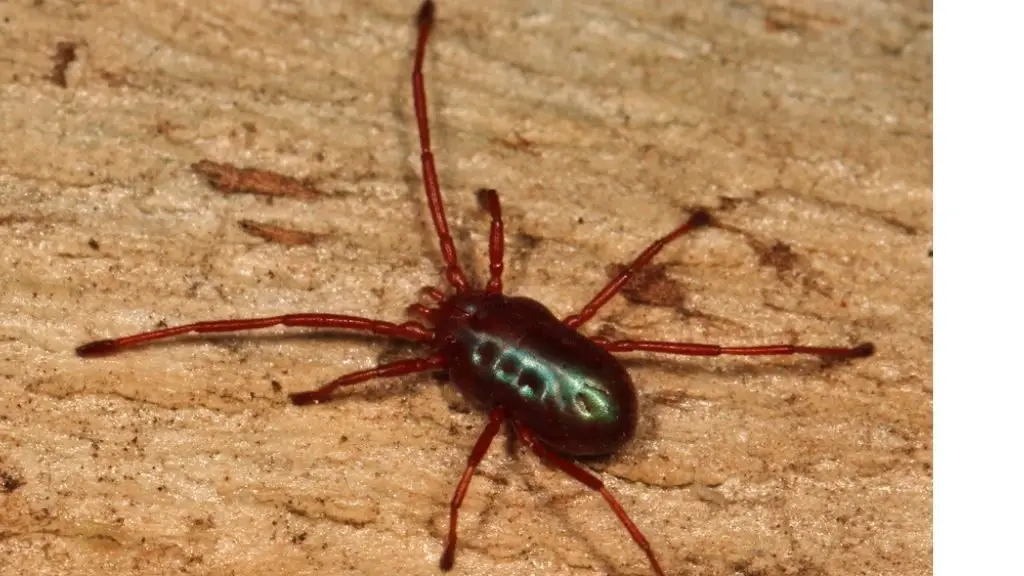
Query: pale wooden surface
806, 123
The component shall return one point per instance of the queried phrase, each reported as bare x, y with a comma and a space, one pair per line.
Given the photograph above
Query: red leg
594, 483
432, 293
686, 349
489, 199
453, 272
406, 331
421, 311
479, 450
400, 368
699, 218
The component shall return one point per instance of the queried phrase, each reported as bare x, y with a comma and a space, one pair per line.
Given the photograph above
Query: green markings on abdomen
537, 380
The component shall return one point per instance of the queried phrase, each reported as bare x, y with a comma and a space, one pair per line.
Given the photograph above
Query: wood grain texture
805, 127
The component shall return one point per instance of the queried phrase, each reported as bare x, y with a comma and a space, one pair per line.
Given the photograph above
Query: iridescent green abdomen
571, 393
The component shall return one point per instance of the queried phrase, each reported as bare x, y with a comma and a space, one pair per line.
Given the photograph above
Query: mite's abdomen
572, 394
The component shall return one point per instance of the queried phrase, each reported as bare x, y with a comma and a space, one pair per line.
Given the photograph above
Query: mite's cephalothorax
563, 393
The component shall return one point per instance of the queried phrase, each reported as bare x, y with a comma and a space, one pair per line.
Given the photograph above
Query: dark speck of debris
275, 385
233, 180
779, 256
651, 285
9, 482
278, 234
94, 244
61, 60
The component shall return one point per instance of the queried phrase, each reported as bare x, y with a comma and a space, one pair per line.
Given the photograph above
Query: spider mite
563, 393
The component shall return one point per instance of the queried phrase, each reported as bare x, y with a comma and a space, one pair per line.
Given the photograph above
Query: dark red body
513, 352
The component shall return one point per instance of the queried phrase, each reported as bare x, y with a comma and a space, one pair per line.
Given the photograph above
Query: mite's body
513, 352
